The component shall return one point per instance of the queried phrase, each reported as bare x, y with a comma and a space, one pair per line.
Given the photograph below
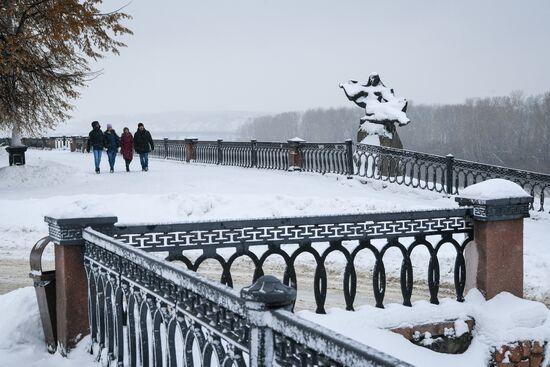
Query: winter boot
127, 167
112, 170
97, 171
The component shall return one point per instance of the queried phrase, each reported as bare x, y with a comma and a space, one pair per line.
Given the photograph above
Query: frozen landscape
63, 183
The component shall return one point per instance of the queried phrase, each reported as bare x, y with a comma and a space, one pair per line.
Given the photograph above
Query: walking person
96, 141
127, 147
112, 142
143, 144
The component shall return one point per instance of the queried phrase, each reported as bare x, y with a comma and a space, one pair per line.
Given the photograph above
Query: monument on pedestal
382, 111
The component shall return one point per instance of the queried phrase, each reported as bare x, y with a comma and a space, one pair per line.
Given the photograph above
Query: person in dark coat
143, 144
127, 147
96, 143
112, 142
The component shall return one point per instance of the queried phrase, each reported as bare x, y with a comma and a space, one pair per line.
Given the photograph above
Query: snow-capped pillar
295, 154
266, 294
71, 282
190, 149
494, 261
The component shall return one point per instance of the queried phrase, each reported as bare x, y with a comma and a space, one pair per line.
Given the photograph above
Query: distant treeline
511, 131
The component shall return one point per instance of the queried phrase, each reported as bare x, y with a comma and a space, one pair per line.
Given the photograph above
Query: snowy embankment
64, 183
61, 182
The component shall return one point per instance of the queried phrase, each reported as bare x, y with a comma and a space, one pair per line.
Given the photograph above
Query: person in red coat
127, 147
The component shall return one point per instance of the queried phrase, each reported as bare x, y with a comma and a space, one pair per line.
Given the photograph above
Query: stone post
165, 148
266, 294
70, 276
494, 261
190, 149
295, 154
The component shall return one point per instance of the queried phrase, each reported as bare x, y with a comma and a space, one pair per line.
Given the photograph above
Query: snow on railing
349, 237
146, 311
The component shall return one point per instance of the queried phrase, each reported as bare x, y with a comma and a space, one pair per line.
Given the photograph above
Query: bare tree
46, 47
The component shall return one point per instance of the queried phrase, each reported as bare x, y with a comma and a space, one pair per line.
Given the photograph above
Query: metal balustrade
319, 236
442, 174
144, 311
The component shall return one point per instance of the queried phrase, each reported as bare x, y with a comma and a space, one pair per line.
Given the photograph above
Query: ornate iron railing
466, 173
441, 174
289, 238
418, 170
327, 157
404, 167
271, 155
144, 311
207, 152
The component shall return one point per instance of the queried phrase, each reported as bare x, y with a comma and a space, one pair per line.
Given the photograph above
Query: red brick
500, 354
505, 364
524, 363
516, 353
526, 345
405, 331
537, 348
499, 269
536, 360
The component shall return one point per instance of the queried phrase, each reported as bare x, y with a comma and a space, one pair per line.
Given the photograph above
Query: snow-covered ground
64, 182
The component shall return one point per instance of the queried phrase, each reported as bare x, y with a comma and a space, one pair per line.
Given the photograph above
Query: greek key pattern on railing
324, 158
144, 311
428, 229
155, 318
414, 169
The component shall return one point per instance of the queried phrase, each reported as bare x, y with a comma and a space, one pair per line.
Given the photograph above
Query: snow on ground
501, 320
22, 340
64, 182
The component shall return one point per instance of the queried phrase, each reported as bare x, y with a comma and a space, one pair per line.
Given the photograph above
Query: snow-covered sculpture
382, 111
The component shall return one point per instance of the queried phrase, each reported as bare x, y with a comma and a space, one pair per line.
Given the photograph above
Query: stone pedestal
295, 154
16, 155
494, 261
190, 149
71, 281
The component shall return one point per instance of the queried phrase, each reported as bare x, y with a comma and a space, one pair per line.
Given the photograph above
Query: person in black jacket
143, 144
96, 141
112, 142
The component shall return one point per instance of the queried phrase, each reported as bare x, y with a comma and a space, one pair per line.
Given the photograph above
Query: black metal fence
318, 237
145, 311
441, 174
414, 169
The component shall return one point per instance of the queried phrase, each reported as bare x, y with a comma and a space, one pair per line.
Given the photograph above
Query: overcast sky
280, 55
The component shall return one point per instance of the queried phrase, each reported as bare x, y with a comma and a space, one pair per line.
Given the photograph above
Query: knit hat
140, 124
94, 123
109, 126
